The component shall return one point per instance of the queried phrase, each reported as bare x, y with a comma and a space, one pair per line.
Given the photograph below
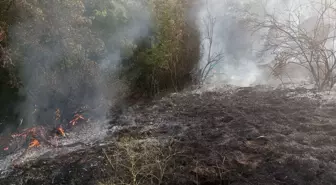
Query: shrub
164, 60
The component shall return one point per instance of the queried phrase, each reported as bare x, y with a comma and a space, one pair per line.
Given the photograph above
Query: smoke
232, 39
235, 40
68, 60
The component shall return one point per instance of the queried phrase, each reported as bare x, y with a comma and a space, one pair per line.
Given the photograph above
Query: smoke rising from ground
69, 62
231, 38
240, 46
66, 66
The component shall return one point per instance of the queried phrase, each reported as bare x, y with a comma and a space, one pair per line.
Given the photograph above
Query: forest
190, 92
72, 54
69, 54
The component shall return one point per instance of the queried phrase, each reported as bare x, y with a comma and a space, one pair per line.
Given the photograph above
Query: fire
77, 117
61, 131
34, 143
33, 132
40, 134
25, 133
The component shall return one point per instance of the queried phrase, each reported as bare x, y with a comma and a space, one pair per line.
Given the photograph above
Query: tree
309, 43
163, 60
210, 57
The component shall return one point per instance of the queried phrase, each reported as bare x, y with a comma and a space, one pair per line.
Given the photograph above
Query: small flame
39, 131
61, 131
25, 133
77, 117
34, 143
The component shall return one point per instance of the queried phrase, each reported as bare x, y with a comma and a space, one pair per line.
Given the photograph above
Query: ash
266, 134
83, 136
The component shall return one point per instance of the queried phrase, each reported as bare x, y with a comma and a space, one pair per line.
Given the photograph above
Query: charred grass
242, 136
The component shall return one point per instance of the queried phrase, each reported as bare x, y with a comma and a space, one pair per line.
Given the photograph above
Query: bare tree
308, 43
212, 58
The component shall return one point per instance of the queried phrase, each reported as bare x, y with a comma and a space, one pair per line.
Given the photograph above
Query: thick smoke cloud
239, 45
65, 65
232, 39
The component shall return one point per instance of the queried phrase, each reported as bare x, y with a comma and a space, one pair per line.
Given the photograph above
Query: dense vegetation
66, 54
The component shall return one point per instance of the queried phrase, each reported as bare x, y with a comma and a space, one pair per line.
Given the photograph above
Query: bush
163, 61
64, 54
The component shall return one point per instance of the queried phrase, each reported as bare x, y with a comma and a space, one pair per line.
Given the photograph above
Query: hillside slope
237, 136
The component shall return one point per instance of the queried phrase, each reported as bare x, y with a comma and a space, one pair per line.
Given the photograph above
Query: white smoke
95, 83
232, 40
239, 45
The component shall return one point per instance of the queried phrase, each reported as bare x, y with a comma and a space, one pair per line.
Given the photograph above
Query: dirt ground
236, 136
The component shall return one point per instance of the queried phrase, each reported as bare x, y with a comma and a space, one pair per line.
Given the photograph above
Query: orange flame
25, 133
34, 143
77, 117
61, 131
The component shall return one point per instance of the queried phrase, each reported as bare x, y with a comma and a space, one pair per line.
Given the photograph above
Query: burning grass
32, 142
237, 136
44, 134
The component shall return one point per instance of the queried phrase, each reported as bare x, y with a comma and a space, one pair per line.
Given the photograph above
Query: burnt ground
236, 136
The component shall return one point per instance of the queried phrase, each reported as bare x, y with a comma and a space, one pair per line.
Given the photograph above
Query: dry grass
137, 162
238, 137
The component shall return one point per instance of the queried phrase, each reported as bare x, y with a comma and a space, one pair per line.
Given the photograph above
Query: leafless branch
290, 43
212, 58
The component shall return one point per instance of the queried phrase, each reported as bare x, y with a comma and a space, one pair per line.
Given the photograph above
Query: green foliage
163, 61
8, 72
55, 48
107, 19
